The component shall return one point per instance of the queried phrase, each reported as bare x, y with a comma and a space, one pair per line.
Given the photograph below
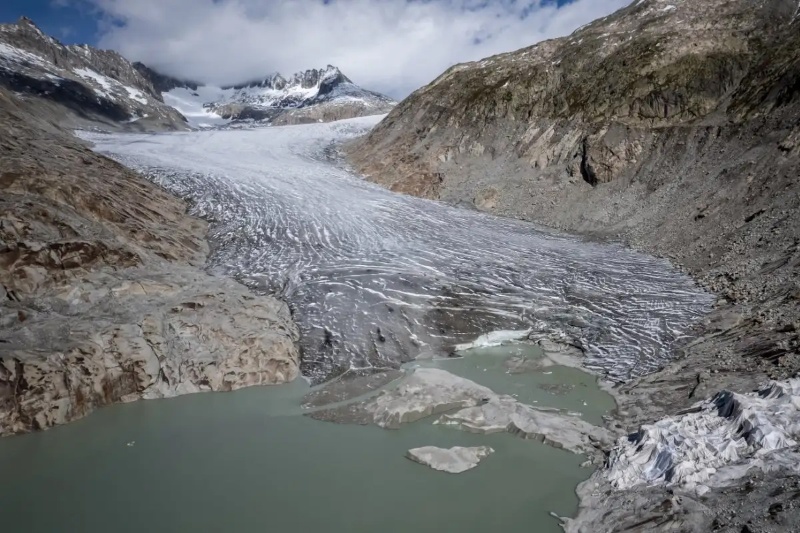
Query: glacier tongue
375, 278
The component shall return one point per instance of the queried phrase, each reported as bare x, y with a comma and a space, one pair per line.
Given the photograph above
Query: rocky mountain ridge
79, 85
319, 81
325, 88
315, 95
103, 296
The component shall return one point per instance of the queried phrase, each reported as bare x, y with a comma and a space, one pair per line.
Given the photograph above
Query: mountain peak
304, 79
26, 24
22, 26
88, 84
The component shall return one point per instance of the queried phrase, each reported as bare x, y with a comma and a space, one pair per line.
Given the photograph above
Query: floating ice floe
494, 338
454, 460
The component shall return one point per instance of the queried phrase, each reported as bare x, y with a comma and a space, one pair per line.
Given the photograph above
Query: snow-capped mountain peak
302, 89
308, 96
93, 87
87, 85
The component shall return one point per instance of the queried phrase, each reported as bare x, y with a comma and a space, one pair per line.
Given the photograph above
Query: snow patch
18, 55
111, 88
106, 84
136, 95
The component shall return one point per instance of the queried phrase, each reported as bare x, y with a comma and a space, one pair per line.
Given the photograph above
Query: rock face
454, 460
161, 82
322, 95
103, 295
593, 106
80, 86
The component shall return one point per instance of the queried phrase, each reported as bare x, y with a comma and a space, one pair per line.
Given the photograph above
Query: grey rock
348, 387
78, 85
105, 299
426, 392
161, 82
504, 414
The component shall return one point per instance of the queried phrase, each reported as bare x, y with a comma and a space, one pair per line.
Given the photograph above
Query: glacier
191, 103
375, 279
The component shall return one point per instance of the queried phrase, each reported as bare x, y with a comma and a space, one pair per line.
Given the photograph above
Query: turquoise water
570, 389
249, 461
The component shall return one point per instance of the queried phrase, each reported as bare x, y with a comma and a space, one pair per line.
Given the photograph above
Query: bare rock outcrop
79, 85
103, 294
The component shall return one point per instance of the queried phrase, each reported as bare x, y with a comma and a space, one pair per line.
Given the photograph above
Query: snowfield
191, 104
375, 278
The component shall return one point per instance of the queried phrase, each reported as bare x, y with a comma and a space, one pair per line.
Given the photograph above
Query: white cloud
392, 46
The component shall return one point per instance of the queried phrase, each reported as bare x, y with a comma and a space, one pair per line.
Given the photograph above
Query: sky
390, 46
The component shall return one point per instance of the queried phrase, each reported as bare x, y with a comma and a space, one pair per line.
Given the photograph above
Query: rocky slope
673, 126
322, 95
80, 86
102, 294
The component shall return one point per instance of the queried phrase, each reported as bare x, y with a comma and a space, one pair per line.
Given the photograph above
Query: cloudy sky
392, 46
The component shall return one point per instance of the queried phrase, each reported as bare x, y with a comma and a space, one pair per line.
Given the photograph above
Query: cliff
78, 85
102, 294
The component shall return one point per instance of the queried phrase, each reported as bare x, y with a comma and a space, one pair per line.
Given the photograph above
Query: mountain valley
591, 243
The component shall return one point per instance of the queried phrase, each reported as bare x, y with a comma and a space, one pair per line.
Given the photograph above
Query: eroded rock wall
102, 294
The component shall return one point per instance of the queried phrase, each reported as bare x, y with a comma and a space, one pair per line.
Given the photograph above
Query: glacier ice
729, 429
375, 278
